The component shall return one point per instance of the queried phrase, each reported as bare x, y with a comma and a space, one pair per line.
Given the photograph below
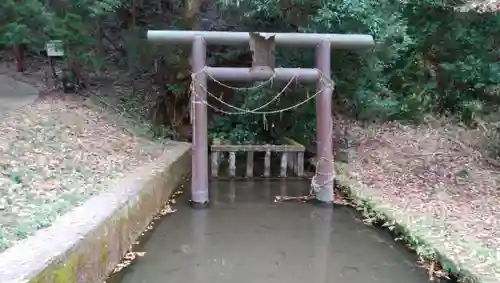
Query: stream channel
246, 237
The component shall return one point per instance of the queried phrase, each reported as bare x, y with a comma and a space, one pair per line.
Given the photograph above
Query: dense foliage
32, 22
429, 57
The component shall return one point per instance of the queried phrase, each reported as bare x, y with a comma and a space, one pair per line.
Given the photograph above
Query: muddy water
245, 237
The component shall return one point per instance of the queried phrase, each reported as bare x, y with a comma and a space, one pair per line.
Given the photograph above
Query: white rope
269, 81
253, 111
315, 186
242, 111
260, 112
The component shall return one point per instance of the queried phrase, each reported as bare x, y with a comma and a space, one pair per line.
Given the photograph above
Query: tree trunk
176, 111
191, 22
75, 69
19, 54
133, 12
192, 14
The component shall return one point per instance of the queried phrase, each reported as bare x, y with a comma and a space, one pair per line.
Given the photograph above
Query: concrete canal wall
85, 244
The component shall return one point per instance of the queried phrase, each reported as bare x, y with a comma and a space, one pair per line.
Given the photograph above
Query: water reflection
321, 219
232, 192
283, 188
246, 238
214, 192
199, 225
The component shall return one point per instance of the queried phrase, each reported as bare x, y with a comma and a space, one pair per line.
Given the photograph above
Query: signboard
54, 48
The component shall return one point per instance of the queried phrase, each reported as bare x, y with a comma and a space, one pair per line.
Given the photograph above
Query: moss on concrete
104, 252
61, 273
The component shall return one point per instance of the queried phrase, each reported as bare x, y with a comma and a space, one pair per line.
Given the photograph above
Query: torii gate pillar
324, 180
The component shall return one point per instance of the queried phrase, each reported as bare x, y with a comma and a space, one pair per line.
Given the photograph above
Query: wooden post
284, 164
249, 164
267, 164
294, 162
215, 163
232, 164
300, 164
291, 161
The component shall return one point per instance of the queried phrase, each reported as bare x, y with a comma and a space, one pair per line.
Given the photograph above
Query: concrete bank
430, 240
85, 244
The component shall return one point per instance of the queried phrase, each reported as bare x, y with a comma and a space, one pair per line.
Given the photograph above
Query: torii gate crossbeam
321, 75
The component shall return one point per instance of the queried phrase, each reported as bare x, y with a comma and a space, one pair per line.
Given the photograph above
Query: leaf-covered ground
56, 153
432, 174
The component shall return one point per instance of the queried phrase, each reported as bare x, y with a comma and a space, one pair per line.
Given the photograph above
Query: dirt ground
57, 152
435, 172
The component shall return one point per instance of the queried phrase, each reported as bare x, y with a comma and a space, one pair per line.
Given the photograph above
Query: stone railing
292, 156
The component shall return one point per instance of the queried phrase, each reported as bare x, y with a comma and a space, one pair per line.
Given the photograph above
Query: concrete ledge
444, 248
85, 244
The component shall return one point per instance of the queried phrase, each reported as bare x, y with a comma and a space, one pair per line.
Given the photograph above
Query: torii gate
262, 71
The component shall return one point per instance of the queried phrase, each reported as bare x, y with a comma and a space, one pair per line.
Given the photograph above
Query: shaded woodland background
437, 58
